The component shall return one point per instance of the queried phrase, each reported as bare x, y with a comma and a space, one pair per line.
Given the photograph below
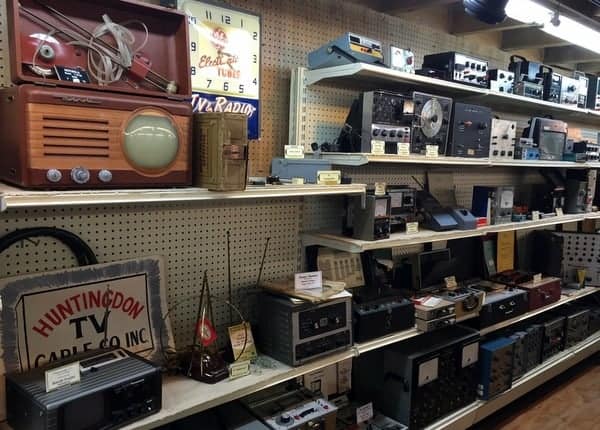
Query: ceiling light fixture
563, 27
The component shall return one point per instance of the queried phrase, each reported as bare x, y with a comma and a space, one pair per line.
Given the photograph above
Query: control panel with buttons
470, 131
496, 367
292, 407
501, 80
503, 139
569, 93
459, 67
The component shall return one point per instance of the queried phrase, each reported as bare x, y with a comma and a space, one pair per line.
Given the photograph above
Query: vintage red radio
543, 292
113, 45
65, 138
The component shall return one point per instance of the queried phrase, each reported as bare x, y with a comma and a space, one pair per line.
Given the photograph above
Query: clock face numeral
224, 49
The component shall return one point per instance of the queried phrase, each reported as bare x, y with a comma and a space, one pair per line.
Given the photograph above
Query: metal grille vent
68, 137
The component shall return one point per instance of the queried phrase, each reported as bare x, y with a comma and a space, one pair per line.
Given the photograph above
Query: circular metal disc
431, 118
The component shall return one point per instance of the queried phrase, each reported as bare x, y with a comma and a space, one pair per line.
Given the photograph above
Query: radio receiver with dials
503, 139
65, 138
431, 122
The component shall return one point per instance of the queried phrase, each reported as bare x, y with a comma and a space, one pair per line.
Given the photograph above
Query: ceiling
514, 35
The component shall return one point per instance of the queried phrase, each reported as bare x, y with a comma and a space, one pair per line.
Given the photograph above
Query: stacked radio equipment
528, 79
470, 133
503, 139
111, 106
496, 367
456, 67
501, 80
423, 378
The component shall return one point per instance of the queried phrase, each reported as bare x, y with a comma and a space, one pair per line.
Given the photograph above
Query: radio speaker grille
70, 137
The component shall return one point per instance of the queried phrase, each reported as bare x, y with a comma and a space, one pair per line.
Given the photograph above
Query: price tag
239, 369
380, 188
535, 215
308, 281
62, 376
298, 181
559, 212
450, 282
329, 177
412, 227
432, 151
294, 151
364, 413
377, 147
404, 149
537, 278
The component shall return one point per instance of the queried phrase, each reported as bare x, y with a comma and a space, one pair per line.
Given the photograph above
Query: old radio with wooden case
64, 138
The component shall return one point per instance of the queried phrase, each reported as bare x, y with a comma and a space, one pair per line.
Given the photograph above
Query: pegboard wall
192, 238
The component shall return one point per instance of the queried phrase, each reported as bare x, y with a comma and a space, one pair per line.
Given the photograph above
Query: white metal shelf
480, 409
371, 76
11, 197
360, 159
349, 244
183, 396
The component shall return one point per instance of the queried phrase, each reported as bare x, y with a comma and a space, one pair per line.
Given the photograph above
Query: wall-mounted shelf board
360, 159
368, 76
183, 397
349, 244
478, 410
13, 198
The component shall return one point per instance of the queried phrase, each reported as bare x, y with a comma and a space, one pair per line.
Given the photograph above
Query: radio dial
105, 175
285, 419
53, 175
80, 175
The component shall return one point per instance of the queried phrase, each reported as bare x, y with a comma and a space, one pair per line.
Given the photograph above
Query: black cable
81, 250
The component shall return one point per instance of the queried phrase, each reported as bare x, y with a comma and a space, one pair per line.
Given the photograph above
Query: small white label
537, 278
329, 177
412, 227
294, 151
298, 181
364, 413
432, 151
239, 369
377, 147
450, 282
559, 212
380, 188
62, 376
308, 281
404, 149
535, 215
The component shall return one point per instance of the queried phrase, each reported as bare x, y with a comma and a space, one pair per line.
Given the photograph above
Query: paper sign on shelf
380, 188
308, 281
404, 149
364, 413
62, 376
412, 227
535, 215
432, 151
377, 147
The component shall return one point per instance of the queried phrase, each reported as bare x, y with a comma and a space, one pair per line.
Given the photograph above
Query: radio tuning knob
285, 419
105, 175
53, 175
80, 175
